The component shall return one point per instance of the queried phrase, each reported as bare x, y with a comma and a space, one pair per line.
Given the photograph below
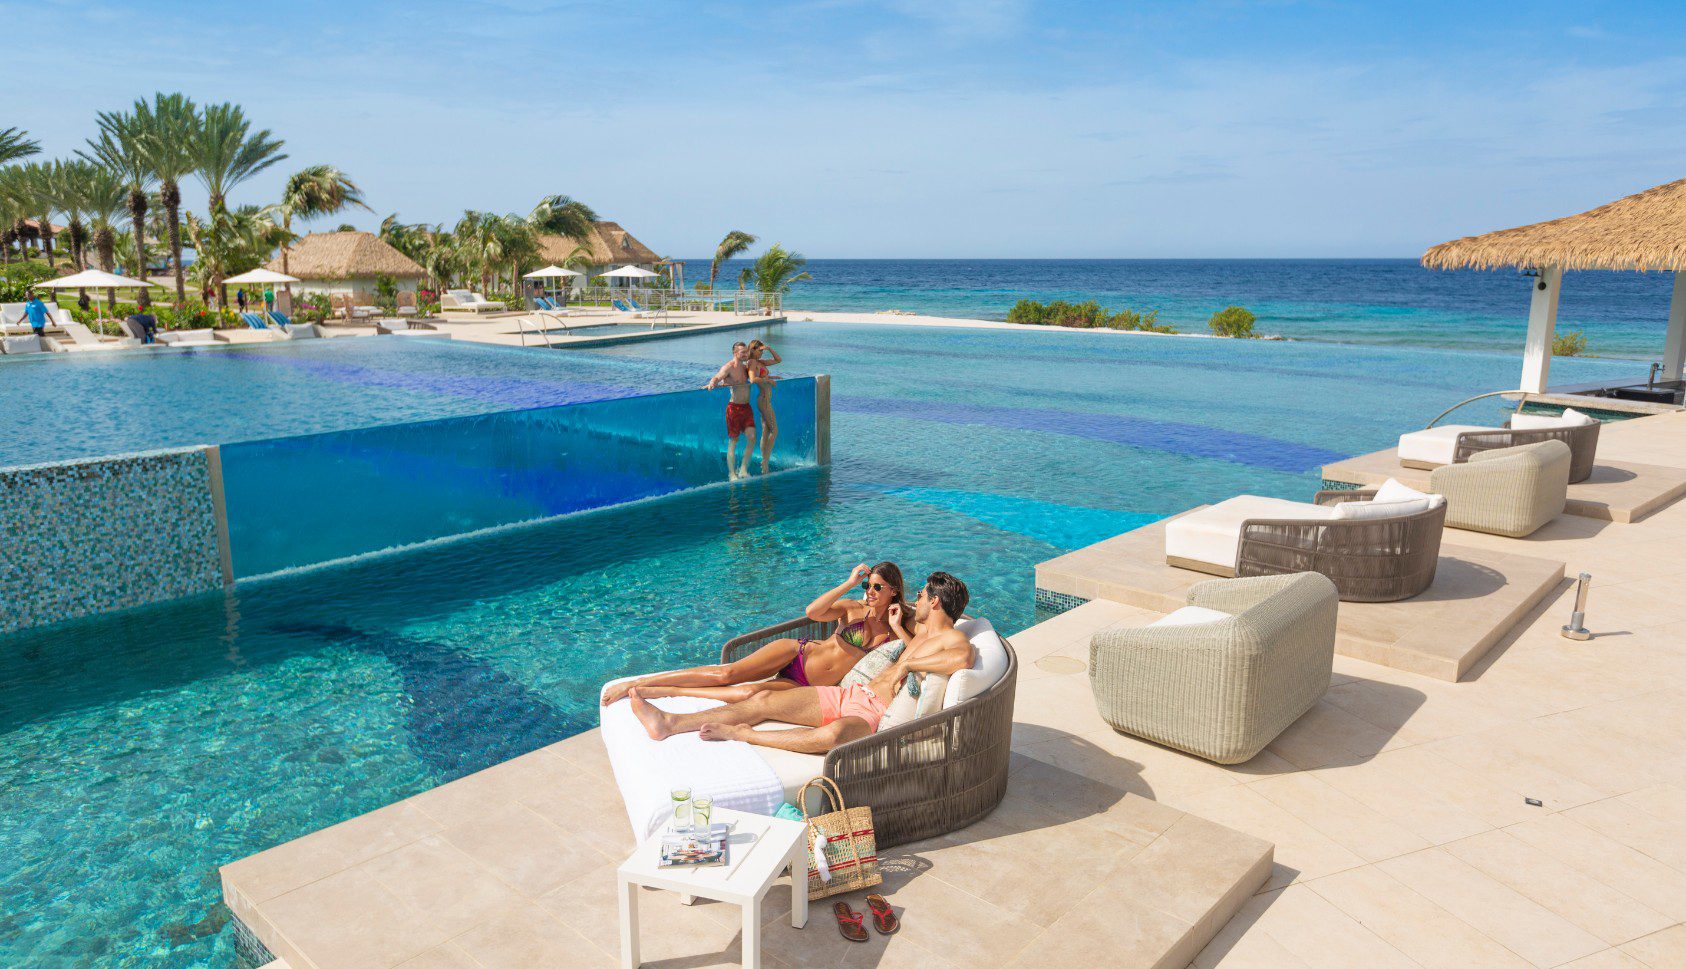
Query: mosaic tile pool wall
89, 536
301, 501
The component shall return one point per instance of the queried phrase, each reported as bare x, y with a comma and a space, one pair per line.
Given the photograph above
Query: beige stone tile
1649, 881
1330, 736
1312, 931
945, 919
1665, 802
1608, 959
1348, 822
1194, 868
525, 936
1110, 927
1382, 785
1302, 852
1257, 951
1637, 829
701, 934
527, 852
1571, 894
441, 883
1422, 930
1503, 758
1526, 928
446, 956
349, 921
285, 867
1660, 950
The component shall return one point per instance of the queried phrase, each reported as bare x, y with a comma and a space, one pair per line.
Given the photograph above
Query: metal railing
742, 302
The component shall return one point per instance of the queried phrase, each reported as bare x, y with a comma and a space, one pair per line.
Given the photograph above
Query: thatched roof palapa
346, 255
608, 244
1642, 232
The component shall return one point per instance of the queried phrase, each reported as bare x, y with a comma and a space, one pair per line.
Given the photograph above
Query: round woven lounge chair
1368, 560
938, 773
1582, 441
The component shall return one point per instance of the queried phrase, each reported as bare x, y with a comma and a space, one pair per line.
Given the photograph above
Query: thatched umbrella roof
1644, 231
346, 255
608, 243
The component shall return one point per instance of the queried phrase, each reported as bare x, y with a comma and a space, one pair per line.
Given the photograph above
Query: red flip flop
849, 922
884, 917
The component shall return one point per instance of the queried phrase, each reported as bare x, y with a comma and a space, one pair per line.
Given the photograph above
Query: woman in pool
763, 383
862, 626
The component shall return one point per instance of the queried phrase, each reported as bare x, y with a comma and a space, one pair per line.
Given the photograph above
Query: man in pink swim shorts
834, 715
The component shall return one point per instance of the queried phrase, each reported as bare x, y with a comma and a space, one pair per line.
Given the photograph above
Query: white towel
731, 772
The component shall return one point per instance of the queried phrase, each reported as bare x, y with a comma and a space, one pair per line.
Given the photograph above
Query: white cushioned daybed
1454, 443
932, 773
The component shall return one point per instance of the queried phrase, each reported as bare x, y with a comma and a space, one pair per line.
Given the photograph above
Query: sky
917, 128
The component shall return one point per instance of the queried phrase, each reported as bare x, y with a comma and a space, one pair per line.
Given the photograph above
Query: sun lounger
17, 345
1221, 677
405, 327
463, 301
189, 338
14, 322
1509, 491
83, 338
1457, 443
1379, 547
925, 777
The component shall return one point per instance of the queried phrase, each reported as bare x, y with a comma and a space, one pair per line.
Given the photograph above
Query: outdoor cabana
1645, 232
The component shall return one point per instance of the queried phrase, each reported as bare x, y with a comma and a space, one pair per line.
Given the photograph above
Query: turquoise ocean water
1388, 302
140, 751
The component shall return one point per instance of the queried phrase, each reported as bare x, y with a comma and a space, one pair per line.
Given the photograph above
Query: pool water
139, 752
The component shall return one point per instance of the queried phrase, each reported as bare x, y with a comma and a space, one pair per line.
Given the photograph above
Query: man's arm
720, 377
951, 656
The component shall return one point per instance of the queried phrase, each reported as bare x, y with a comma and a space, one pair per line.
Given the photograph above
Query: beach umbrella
630, 272
550, 272
265, 277
95, 279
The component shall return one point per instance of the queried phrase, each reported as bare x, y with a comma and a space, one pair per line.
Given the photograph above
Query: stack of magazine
695, 849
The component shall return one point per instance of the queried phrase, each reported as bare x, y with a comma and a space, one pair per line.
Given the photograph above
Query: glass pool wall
300, 501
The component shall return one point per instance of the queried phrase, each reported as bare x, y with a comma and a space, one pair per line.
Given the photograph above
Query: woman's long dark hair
892, 574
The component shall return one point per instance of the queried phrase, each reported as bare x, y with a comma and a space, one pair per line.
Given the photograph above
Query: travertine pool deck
1620, 491
1478, 595
1395, 807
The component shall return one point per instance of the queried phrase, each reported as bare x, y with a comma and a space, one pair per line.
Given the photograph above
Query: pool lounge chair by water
1456, 443
931, 775
1374, 550
190, 338
18, 345
1509, 491
628, 306
463, 301
1221, 677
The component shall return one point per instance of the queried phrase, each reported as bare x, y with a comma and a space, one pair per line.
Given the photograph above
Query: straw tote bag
851, 845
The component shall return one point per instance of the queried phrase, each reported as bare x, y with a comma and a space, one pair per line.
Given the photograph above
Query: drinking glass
702, 812
681, 808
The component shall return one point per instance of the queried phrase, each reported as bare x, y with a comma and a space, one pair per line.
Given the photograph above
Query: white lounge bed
463, 301
742, 776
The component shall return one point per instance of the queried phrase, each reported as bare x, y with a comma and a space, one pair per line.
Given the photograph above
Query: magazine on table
696, 849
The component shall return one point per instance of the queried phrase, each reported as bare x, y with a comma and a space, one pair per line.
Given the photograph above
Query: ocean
1391, 302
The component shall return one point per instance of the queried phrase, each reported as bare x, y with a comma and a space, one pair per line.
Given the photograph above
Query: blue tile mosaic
1057, 602
90, 536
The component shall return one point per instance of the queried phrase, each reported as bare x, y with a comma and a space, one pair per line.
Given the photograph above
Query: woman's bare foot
616, 692
722, 731
656, 723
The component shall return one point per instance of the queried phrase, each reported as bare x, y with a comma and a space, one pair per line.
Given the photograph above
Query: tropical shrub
312, 308
1084, 316
386, 292
1571, 344
1232, 321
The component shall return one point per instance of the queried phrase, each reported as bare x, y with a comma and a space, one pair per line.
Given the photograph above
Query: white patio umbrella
95, 279
630, 272
260, 276
549, 272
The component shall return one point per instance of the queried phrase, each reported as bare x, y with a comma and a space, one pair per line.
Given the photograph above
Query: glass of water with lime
702, 810
681, 808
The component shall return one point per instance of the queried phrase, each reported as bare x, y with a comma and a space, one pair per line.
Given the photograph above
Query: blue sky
920, 128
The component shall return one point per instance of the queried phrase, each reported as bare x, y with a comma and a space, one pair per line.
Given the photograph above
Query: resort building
347, 263
608, 246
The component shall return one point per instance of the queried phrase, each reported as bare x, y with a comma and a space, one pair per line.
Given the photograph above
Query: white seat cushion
1192, 616
1539, 422
1377, 510
1212, 535
989, 663
1435, 445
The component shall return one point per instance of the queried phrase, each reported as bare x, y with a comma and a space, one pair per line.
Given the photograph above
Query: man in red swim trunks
740, 417
834, 714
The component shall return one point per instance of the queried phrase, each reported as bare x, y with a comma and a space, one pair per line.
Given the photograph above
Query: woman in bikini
763, 382
862, 626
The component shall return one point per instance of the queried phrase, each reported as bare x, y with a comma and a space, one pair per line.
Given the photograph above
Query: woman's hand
894, 615
860, 572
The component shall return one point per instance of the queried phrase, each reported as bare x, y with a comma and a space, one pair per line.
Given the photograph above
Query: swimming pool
138, 752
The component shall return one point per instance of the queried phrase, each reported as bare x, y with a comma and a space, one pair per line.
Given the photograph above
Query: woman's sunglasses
874, 586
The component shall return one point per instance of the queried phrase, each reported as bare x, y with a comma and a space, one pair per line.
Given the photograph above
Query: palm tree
35, 186
232, 241
66, 187
562, 216
169, 128
315, 191
736, 243
479, 244
14, 198
774, 271
15, 143
121, 147
102, 195
226, 152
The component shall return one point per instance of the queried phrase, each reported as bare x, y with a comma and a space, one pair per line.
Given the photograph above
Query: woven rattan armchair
1581, 439
1222, 689
1510, 491
1368, 560
935, 774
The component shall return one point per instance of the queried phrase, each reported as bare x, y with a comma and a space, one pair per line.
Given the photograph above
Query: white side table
762, 849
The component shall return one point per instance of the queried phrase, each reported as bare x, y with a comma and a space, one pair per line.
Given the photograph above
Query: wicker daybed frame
927, 777
1369, 560
1582, 440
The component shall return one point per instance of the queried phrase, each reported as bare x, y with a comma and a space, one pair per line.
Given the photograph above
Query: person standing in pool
739, 417
762, 356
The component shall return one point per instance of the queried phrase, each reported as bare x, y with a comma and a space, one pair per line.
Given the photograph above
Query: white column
1674, 347
1542, 329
